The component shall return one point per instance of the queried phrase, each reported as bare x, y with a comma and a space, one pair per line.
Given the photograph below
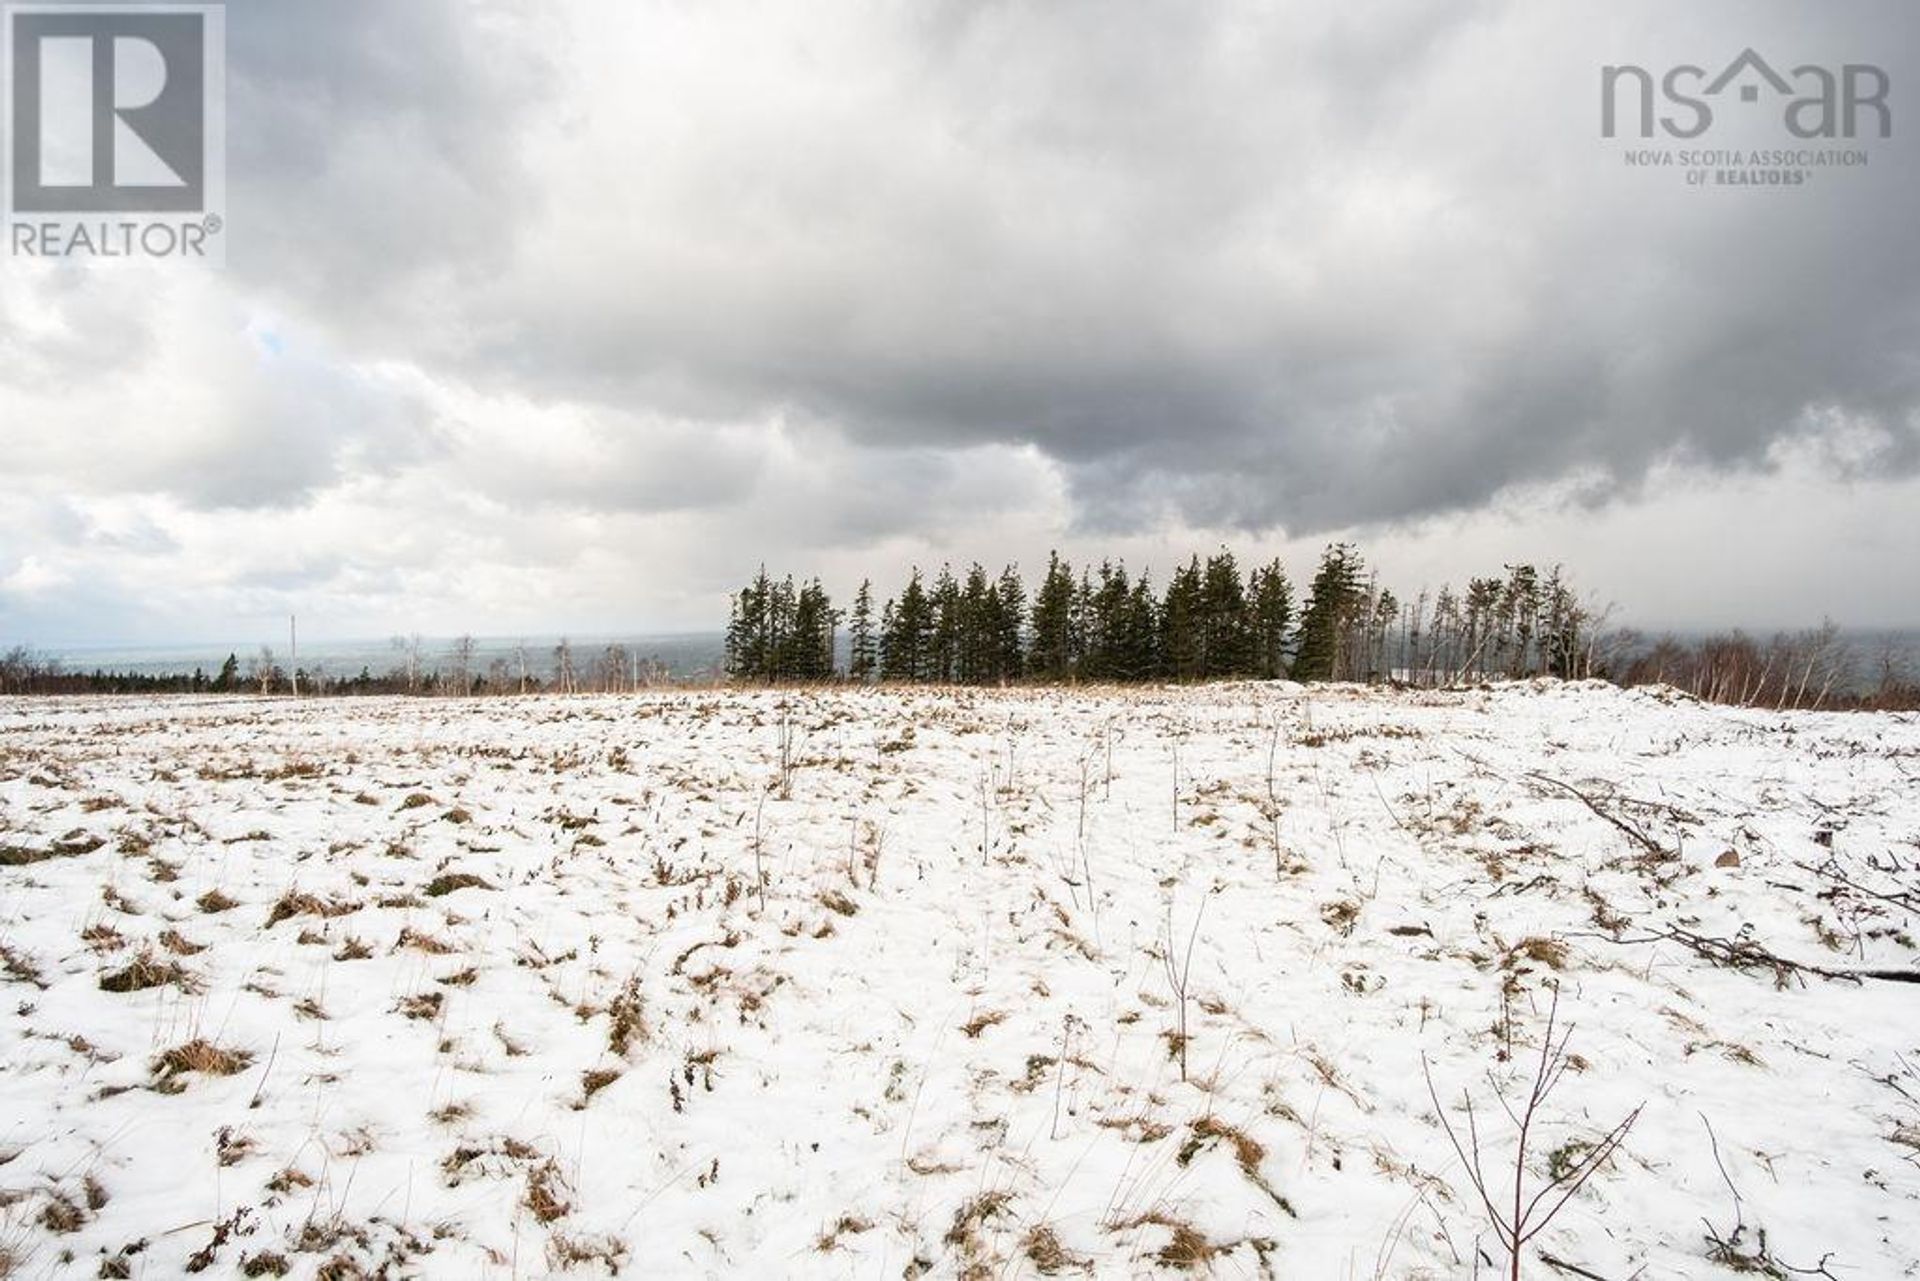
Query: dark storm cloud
373, 148
1232, 265
527, 281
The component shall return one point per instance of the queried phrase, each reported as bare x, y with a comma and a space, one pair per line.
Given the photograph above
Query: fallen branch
1744, 954
1633, 833
1571, 1269
1904, 900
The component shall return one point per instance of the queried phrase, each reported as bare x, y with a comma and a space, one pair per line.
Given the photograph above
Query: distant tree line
1212, 621
1807, 669
1106, 624
453, 672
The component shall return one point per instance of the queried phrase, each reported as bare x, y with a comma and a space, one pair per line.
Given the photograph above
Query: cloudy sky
558, 315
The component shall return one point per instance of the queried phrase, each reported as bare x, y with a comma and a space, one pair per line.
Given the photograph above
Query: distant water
683, 655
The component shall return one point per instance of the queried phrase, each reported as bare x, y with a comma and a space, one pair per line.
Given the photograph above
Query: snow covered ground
512, 988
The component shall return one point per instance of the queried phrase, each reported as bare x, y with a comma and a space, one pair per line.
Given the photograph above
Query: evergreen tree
1136, 640
776, 633
863, 661
807, 638
987, 631
1182, 625
1271, 609
779, 647
1335, 601
979, 626
749, 631
1052, 653
1104, 613
888, 645
948, 628
906, 643
1226, 637
1010, 653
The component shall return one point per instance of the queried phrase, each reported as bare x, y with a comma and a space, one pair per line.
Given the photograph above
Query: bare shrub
1527, 1217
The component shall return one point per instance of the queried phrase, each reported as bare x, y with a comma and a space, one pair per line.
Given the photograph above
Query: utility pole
293, 647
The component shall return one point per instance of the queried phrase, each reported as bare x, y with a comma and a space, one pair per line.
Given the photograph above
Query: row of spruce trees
1212, 622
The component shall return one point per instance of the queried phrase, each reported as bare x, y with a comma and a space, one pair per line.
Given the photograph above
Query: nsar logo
1815, 101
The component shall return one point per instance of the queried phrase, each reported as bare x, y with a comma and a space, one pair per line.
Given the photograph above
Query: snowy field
956, 984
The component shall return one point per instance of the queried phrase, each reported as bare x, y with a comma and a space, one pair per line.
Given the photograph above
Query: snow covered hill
955, 983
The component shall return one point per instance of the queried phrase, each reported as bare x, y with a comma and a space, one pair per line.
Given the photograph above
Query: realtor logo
115, 129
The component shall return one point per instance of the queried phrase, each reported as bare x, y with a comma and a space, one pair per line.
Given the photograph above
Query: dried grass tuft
144, 973
215, 901
294, 904
204, 1057
1049, 1258
448, 882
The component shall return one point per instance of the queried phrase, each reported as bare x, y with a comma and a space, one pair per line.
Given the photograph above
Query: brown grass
545, 1199
144, 973
1549, 952
1247, 1153
981, 1022
423, 1005
566, 1252
294, 904
1189, 1250
21, 969
1340, 916
215, 901
72, 845
204, 1057
102, 938
628, 1013
21, 856
448, 882
420, 942
965, 1230
846, 1225
289, 1180
1042, 1247
62, 1215
179, 944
